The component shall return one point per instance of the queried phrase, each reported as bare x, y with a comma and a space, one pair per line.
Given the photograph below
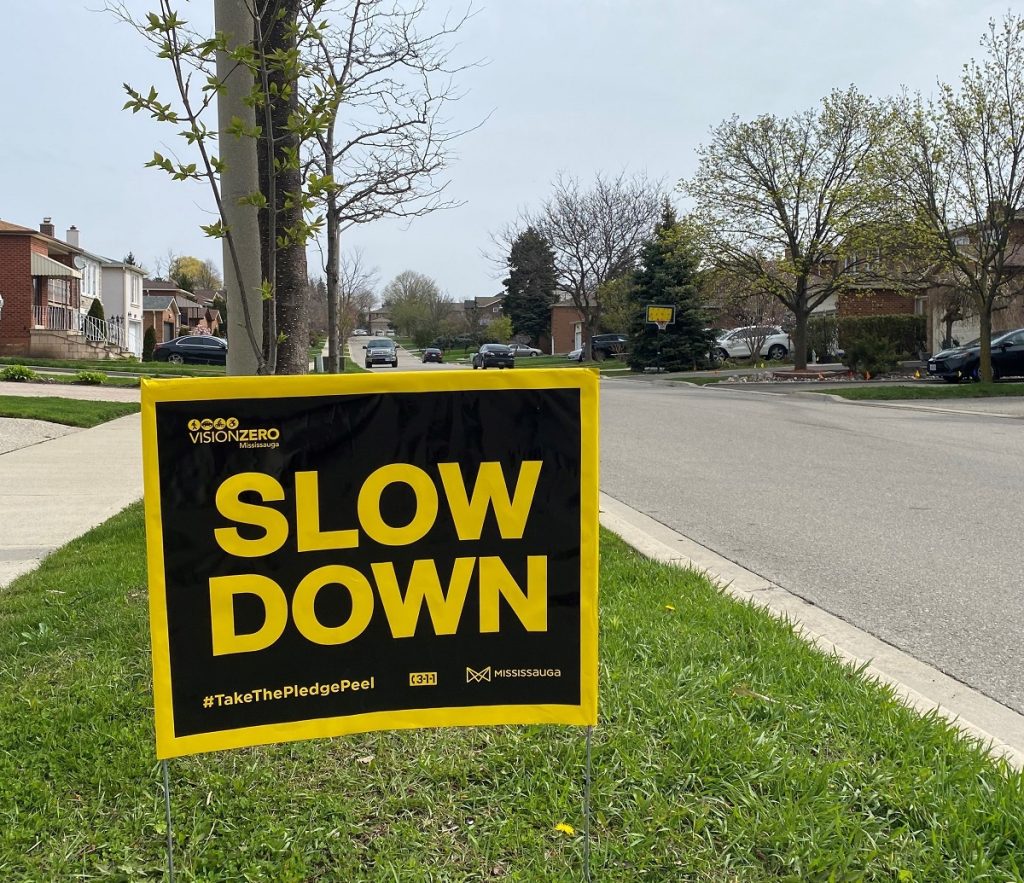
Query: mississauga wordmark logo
220, 430
487, 674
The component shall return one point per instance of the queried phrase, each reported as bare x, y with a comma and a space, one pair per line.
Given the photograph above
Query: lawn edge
917, 684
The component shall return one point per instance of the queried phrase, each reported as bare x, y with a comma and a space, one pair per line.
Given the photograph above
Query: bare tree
793, 205
383, 155
958, 164
595, 234
308, 60
356, 292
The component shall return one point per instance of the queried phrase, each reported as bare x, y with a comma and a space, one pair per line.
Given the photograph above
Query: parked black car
494, 355
193, 349
964, 362
432, 354
381, 351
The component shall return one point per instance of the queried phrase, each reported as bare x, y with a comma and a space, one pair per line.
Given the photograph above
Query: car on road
494, 355
964, 362
521, 349
381, 351
433, 354
193, 349
360, 332
739, 343
575, 355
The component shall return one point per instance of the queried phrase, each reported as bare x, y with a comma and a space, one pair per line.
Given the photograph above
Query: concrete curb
906, 406
918, 684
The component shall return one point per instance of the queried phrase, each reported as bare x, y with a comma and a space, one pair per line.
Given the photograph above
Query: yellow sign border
209, 389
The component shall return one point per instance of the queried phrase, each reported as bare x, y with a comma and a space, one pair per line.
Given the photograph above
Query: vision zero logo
487, 674
217, 430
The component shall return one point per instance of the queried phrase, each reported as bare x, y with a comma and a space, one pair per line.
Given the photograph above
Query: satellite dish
79, 262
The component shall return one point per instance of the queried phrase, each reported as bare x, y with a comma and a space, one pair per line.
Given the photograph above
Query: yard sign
341, 554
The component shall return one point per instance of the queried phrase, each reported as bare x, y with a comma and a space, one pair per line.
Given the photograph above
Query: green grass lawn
929, 391
728, 750
70, 412
130, 366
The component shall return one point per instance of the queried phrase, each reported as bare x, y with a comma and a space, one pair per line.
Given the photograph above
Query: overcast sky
573, 85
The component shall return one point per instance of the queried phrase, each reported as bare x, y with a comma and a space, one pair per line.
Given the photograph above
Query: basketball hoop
661, 315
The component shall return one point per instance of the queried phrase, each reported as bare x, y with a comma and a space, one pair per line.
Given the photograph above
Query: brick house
195, 315
566, 330
160, 312
44, 312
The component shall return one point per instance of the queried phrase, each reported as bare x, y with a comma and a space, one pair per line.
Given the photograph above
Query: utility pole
239, 179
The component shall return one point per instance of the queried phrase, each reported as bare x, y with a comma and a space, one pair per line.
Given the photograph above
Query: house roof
163, 285
186, 302
108, 263
158, 303
58, 245
8, 227
206, 295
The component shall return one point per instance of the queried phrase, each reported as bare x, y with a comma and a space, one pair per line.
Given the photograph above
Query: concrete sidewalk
70, 391
56, 490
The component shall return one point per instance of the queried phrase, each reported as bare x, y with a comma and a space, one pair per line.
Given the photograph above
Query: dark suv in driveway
381, 351
604, 346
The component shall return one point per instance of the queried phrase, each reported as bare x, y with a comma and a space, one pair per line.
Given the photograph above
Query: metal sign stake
170, 834
586, 812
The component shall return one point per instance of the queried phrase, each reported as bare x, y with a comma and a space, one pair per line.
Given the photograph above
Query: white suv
739, 342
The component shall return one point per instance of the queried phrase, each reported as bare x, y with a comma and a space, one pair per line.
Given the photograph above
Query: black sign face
339, 554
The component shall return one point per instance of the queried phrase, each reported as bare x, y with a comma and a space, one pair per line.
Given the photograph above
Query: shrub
906, 335
148, 345
96, 309
90, 378
871, 355
18, 374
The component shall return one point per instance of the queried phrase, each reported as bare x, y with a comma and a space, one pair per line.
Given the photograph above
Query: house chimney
72, 237
47, 228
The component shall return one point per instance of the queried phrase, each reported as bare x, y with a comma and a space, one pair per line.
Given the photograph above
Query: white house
122, 300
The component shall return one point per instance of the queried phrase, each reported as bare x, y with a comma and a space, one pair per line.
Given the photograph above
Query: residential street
903, 521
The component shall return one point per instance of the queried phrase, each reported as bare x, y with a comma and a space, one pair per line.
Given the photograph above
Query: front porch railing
58, 318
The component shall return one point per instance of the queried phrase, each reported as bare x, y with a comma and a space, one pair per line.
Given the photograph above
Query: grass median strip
70, 412
130, 366
728, 750
928, 391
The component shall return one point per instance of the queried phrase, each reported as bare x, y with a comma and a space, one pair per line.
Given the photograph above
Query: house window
136, 284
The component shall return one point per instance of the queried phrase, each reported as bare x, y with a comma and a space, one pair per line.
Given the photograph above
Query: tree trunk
291, 281
985, 365
244, 320
334, 356
800, 316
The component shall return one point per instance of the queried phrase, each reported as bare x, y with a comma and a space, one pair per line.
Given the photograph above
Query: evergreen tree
530, 285
667, 275
148, 345
96, 309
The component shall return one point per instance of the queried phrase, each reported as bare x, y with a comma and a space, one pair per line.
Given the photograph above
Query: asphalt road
906, 523
406, 361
